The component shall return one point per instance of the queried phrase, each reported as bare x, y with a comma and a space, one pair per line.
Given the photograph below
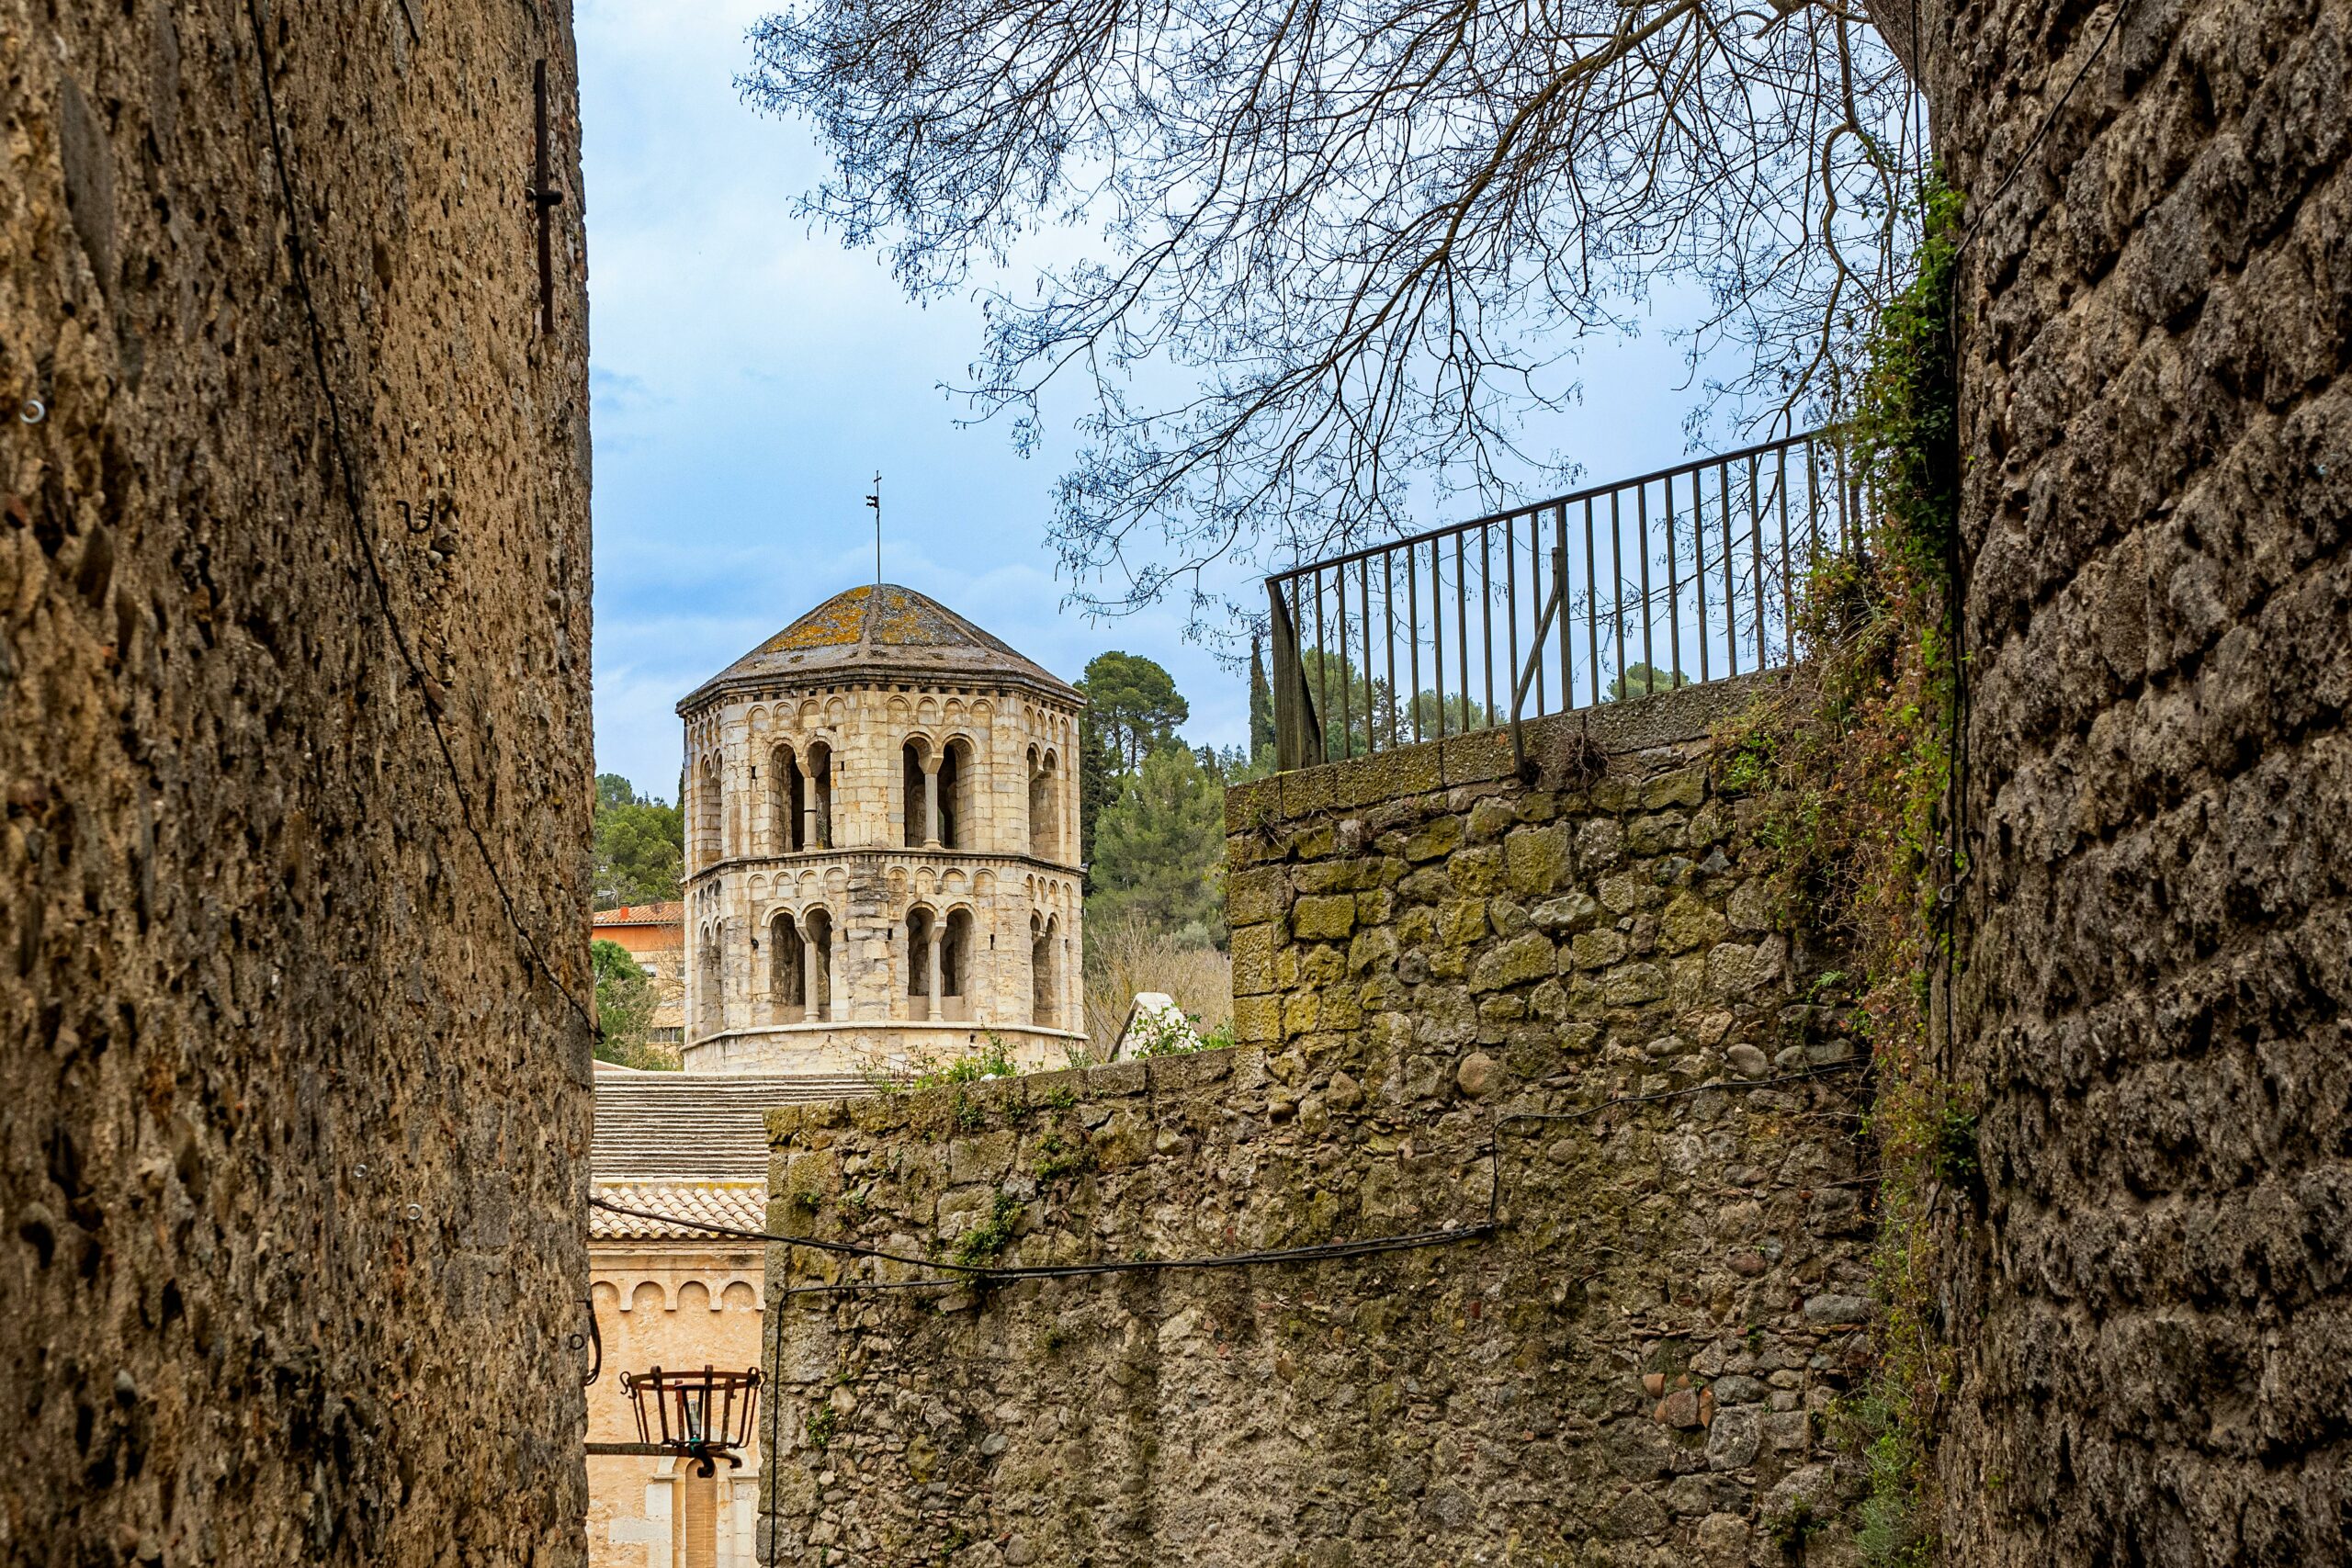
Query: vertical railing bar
1340, 612
1388, 635
1674, 589
1617, 578
1510, 613
1813, 505
1364, 597
1487, 617
1650, 646
1462, 625
1756, 553
1788, 572
1731, 583
1438, 631
1322, 662
1413, 630
1535, 605
1698, 568
1567, 607
1591, 611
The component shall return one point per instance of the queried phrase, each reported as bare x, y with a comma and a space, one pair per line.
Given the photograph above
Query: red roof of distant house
670, 912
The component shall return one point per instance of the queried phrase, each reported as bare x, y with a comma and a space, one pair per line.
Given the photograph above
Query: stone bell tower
881, 845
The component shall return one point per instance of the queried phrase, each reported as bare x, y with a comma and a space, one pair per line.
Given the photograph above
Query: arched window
706, 813
922, 951
1045, 806
1044, 985
817, 966
710, 1003
954, 795
954, 968
787, 970
918, 787
787, 797
817, 799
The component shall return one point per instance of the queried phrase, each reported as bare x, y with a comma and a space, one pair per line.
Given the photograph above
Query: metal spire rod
874, 501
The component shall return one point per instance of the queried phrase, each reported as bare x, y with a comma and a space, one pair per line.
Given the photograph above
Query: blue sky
750, 375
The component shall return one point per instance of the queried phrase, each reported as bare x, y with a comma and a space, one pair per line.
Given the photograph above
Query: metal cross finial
874, 501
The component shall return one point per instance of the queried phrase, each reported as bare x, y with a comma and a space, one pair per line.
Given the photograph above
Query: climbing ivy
1853, 768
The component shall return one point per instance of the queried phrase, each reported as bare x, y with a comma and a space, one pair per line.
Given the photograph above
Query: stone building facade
667, 1294
881, 809
295, 751
1548, 1031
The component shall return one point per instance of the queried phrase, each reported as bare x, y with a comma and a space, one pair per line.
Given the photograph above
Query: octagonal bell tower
881, 809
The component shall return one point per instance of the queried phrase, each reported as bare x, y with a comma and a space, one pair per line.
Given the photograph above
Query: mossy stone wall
1636, 1366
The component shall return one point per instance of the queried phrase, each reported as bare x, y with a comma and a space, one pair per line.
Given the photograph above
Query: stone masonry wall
293, 1158
1634, 1367
2155, 315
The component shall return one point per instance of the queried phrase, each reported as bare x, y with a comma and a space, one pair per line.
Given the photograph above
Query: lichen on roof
837, 620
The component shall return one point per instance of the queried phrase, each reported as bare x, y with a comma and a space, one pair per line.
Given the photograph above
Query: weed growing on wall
1853, 766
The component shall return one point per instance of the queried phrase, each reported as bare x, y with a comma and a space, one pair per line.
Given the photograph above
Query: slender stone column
931, 802
808, 814
808, 1013
936, 984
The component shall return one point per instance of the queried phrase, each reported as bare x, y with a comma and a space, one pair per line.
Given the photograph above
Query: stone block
1514, 963
1322, 918
1535, 860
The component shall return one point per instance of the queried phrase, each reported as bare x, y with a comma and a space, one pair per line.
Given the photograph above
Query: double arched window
1044, 970
939, 963
935, 787
801, 797
800, 966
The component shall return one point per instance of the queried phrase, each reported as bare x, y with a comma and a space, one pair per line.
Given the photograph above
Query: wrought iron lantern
705, 1416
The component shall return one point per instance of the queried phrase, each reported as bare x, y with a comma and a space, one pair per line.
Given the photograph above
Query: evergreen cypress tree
1261, 709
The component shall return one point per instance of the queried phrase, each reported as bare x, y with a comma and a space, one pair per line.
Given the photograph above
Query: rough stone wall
2156, 942
740, 878
1634, 1367
293, 1161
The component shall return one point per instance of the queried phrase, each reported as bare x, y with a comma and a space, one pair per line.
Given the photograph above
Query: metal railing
1506, 618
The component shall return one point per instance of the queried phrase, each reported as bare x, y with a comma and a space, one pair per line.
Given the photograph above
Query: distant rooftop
670, 912
883, 630
696, 1124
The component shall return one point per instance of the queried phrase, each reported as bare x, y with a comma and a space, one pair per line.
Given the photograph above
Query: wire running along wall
1686, 575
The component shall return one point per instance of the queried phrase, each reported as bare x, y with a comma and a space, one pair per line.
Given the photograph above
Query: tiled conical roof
888, 632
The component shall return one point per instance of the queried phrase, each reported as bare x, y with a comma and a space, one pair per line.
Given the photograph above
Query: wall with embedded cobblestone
2151, 1306
293, 1136
1565, 1000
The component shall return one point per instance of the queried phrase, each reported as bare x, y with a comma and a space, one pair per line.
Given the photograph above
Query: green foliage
823, 1420
1056, 1159
1166, 1033
981, 1244
1355, 719
1261, 709
1640, 679
1160, 847
1853, 768
624, 1004
1098, 783
1133, 703
640, 845
993, 1060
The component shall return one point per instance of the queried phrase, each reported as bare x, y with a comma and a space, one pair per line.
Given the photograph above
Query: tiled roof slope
739, 1204
698, 1125
669, 912
879, 631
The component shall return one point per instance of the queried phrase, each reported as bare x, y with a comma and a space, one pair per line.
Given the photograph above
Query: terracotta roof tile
742, 1204
701, 1125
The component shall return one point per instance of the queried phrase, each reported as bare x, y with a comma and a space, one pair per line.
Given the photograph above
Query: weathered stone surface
1472, 1402
292, 1236
2156, 434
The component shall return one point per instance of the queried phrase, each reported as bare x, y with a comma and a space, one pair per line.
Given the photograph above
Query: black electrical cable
2048, 120
346, 470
